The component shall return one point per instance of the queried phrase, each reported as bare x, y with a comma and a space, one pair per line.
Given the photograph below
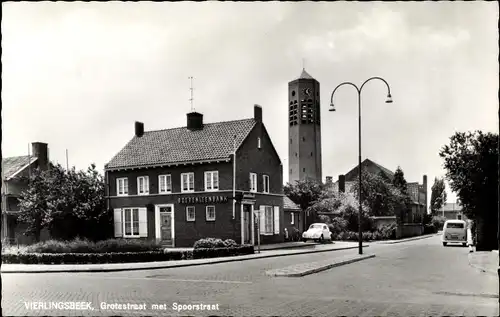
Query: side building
176, 186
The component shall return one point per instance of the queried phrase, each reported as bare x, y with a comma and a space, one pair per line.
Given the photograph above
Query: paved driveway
414, 278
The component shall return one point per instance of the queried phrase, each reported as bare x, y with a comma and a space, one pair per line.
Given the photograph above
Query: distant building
15, 174
451, 211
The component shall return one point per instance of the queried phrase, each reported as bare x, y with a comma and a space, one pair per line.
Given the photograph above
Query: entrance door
246, 225
166, 226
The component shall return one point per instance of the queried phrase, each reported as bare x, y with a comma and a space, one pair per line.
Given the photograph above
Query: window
122, 186
304, 170
258, 143
253, 182
164, 184
210, 213
455, 225
269, 220
190, 213
212, 181
142, 185
187, 181
290, 141
293, 218
265, 184
131, 223
304, 139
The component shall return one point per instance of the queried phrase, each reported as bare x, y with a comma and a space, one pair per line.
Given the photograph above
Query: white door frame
242, 217
158, 222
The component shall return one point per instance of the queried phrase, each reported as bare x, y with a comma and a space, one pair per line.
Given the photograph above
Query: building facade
177, 186
304, 131
15, 179
451, 211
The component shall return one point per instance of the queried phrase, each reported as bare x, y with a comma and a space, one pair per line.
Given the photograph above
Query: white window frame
253, 182
124, 187
259, 143
269, 210
214, 176
193, 208
189, 190
132, 220
145, 191
206, 213
293, 218
265, 185
168, 184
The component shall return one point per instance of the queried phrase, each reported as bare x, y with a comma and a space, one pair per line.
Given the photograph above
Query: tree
471, 162
400, 183
380, 196
69, 203
438, 195
305, 193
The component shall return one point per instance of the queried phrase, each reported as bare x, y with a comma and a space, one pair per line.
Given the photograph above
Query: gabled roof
180, 145
288, 204
11, 166
372, 168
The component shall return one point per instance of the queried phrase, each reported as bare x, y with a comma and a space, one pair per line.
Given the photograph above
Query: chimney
194, 121
139, 129
257, 113
41, 151
342, 183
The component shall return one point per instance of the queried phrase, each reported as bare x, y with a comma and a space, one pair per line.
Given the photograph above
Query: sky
78, 75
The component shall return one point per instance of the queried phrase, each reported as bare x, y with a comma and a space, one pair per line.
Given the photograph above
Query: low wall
382, 221
411, 230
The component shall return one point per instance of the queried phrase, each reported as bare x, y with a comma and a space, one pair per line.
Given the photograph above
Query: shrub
438, 222
122, 257
367, 236
429, 228
338, 225
85, 246
213, 243
388, 231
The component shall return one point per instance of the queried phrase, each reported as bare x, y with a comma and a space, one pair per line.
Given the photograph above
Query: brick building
176, 185
15, 174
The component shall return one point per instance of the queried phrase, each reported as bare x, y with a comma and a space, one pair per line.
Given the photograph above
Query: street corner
484, 261
304, 269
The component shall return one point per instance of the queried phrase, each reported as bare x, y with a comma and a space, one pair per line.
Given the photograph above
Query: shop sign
203, 200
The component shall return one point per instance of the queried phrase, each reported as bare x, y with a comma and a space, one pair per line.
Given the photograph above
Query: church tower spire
304, 128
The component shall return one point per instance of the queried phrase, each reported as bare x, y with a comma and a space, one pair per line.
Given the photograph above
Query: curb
166, 266
322, 268
411, 239
480, 268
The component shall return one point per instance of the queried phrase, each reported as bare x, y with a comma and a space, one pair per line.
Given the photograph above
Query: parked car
318, 232
454, 231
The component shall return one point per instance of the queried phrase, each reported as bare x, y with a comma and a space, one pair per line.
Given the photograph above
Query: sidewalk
485, 261
113, 267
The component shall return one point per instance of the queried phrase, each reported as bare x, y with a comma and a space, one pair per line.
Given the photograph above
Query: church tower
304, 129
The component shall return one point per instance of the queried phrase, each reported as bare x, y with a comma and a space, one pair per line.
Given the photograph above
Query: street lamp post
389, 100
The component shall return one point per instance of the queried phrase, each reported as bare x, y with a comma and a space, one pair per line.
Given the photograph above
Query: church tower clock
304, 129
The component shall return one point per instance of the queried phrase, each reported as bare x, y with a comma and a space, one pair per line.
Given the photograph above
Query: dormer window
143, 185
258, 143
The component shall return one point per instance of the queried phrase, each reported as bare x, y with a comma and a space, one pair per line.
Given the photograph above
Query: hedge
122, 257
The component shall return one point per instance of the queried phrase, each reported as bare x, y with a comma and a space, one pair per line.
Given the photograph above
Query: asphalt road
417, 278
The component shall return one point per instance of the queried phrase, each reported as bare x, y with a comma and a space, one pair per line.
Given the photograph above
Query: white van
454, 231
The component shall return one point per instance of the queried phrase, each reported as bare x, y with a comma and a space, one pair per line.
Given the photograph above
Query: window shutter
276, 220
262, 220
118, 223
143, 222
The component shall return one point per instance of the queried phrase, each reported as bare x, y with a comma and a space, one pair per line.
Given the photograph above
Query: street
412, 278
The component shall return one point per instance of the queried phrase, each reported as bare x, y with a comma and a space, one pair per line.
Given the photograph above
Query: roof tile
178, 145
10, 165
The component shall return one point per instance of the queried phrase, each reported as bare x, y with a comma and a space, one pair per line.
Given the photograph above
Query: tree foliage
438, 195
471, 162
380, 196
69, 203
304, 192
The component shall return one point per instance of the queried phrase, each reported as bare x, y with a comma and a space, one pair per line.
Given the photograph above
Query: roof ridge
204, 124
